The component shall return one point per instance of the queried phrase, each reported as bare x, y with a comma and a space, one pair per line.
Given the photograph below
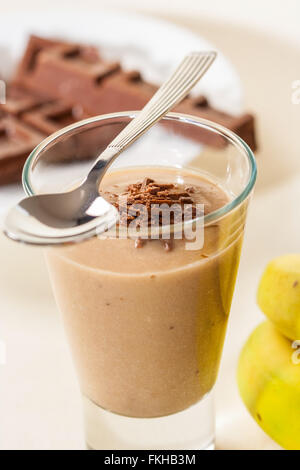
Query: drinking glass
147, 345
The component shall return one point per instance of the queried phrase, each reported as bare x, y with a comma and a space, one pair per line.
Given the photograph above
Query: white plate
154, 47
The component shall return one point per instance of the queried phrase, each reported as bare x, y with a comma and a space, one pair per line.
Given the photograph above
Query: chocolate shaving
190, 189
145, 183
186, 200
168, 245
150, 194
139, 243
144, 204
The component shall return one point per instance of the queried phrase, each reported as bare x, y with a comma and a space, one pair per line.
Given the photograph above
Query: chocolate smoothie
146, 319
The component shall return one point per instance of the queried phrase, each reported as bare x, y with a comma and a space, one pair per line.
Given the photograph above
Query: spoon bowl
57, 219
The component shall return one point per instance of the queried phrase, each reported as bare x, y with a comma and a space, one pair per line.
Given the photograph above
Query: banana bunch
269, 365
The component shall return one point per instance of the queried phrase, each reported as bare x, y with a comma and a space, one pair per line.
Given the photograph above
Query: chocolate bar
242, 125
71, 72
58, 83
16, 142
123, 90
34, 47
20, 99
52, 117
126, 91
78, 74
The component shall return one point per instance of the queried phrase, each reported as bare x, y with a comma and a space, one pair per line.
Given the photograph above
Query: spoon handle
188, 73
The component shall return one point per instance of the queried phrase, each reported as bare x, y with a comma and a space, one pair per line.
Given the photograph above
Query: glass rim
172, 116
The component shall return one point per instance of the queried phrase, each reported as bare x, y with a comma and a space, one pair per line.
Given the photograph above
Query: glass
147, 342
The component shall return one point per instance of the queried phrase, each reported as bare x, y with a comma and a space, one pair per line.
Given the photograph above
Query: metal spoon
54, 219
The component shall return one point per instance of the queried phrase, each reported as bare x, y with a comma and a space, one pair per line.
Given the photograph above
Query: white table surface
39, 397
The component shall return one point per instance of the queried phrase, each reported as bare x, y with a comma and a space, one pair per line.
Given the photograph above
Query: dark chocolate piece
126, 91
16, 142
34, 47
70, 71
19, 100
242, 125
52, 117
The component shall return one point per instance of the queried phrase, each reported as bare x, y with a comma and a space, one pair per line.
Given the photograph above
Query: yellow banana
279, 294
269, 384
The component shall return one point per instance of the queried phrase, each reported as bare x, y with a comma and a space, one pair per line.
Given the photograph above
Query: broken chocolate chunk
75, 75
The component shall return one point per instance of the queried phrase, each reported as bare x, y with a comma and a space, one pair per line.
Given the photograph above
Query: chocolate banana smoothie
146, 319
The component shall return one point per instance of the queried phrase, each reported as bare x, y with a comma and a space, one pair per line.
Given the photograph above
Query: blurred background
272, 16
260, 42
267, 14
